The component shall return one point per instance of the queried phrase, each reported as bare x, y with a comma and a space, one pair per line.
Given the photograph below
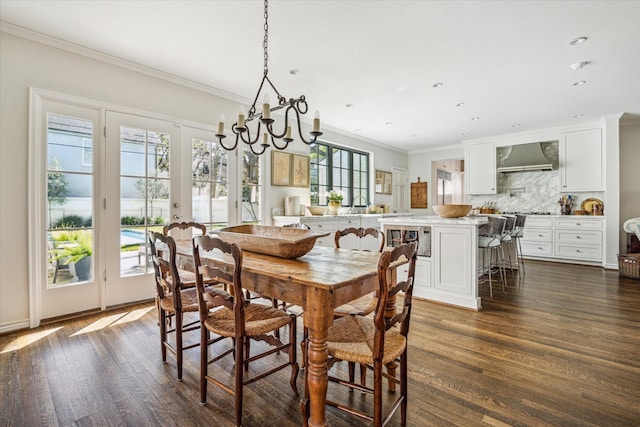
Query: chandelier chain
265, 42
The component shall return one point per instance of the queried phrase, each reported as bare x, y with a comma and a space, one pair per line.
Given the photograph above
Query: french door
101, 180
143, 171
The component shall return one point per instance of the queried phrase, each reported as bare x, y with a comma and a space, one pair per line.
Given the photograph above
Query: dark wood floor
562, 348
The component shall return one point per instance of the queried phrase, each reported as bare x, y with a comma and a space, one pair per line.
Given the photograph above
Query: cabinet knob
578, 250
578, 237
577, 223
540, 235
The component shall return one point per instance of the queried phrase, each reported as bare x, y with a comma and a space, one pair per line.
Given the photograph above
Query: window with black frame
341, 169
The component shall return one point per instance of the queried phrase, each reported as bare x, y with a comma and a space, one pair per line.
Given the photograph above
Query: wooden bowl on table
451, 211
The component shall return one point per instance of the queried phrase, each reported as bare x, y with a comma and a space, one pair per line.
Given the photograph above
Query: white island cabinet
450, 274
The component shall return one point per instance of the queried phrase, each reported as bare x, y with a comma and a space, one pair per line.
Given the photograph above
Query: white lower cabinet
563, 238
579, 239
422, 279
328, 224
538, 237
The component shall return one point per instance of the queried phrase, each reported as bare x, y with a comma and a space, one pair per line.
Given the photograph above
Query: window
340, 169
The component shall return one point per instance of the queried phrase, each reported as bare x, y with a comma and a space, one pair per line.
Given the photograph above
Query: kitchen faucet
353, 204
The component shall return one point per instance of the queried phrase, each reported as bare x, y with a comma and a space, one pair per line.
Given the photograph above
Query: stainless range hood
525, 158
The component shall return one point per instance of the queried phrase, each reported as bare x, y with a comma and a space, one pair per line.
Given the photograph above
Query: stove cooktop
527, 213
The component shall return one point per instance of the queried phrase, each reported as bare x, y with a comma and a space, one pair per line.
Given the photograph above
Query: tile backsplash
530, 192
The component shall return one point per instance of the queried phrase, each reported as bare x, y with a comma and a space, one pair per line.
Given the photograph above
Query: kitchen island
449, 274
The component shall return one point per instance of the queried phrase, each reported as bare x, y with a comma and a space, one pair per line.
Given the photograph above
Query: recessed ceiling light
577, 116
515, 125
578, 40
464, 133
438, 84
580, 65
293, 71
415, 135
579, 83
388, 123
348, 105
357, 130
475, 118
460, 104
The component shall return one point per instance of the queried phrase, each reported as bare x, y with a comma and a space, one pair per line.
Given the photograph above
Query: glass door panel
70, 240
209, 189
138, 200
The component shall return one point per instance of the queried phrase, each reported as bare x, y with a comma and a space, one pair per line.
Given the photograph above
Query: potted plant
75, 248
334, 202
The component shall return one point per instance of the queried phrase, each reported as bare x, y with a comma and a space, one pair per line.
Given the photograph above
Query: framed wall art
300, 170
281, 168
383, 182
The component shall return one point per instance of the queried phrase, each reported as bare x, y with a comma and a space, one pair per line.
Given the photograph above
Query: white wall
26, 63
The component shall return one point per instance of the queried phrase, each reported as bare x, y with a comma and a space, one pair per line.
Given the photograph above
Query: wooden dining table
319, 281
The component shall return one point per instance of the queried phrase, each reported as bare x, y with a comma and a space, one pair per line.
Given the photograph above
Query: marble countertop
383, 215
434, 219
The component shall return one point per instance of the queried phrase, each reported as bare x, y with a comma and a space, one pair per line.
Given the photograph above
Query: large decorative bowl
451, 211
283, 242
316, 210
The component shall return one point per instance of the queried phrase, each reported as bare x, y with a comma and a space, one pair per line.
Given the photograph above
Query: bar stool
516, 234
506, 238
489, 241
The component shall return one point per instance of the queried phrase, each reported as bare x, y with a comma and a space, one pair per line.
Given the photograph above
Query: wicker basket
629, 265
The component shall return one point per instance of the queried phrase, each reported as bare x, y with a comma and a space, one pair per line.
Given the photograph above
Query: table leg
318, 317
317, 376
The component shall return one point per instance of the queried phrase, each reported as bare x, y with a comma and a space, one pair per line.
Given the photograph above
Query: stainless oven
399, 234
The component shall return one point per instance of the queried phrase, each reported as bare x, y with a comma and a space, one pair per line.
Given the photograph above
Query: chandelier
269, 135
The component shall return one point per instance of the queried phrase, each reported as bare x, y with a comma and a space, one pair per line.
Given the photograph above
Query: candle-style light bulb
265, 139
266, 108
288, 135
221, 125
316, 121
241, 117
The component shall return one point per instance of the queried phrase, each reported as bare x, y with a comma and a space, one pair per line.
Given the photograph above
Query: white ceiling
508, 61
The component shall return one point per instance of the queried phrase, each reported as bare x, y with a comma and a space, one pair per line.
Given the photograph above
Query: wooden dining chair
375, 342
173, 298
238, 319
187, 276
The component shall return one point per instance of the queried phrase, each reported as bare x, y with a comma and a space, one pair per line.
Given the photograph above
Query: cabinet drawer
579, 224
536, 249
536, 235
322, 226
579, 237
347, 223
579, 252
537, 222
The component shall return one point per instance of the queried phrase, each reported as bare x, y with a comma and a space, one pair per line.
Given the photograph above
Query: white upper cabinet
480, 168
582, 160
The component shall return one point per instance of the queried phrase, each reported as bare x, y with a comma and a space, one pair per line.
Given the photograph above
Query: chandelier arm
315, 135
264, 148
248, 140
273, 142
220, 139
